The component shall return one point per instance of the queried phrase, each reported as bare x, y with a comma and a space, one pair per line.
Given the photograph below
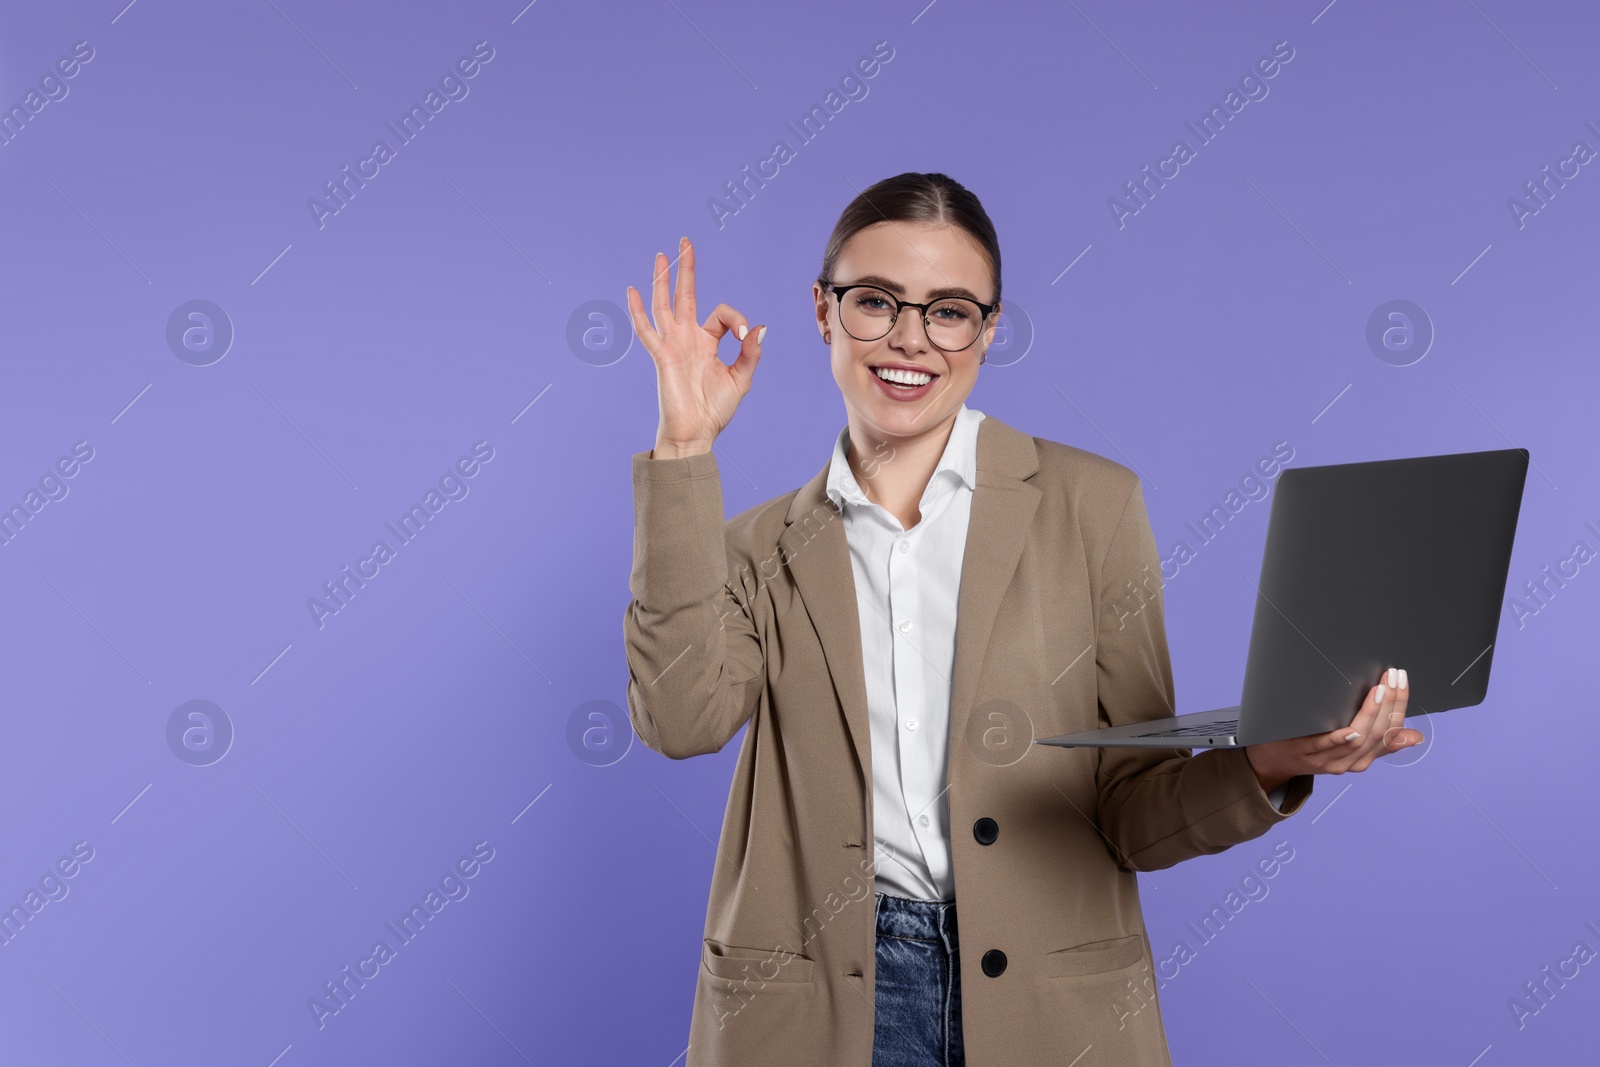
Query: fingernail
683, 242
761, 335
1352, 735
1379, 698
741, 331
1392, 679
1404, 681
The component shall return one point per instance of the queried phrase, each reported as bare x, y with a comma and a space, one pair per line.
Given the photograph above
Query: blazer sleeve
696, 665
1160, 806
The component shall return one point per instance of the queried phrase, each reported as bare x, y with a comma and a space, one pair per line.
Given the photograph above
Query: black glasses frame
839, 290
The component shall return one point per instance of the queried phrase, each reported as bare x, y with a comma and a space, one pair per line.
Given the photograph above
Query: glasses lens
953, 324
866, 314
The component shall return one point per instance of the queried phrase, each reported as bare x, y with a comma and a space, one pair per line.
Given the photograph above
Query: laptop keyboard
1201, 729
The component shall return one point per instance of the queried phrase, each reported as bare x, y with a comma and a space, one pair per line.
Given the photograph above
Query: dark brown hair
913, 197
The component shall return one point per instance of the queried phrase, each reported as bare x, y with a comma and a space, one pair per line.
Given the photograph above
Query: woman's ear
820, 297
988, 334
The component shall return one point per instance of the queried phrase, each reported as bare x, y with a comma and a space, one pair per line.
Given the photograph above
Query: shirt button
905, 546
905, 627
923, 820
911, 724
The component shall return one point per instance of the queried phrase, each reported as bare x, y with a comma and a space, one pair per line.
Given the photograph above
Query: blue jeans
918, 994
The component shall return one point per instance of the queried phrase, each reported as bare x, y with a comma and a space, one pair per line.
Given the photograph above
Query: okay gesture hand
698, 392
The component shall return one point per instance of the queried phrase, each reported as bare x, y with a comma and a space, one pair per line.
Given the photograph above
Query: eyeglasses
952, 323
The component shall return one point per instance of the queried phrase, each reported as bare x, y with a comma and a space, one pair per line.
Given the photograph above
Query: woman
889, 756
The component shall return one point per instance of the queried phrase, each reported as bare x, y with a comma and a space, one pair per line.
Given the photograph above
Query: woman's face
912, 260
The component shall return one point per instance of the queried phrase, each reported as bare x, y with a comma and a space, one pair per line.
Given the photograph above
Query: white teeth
904, 377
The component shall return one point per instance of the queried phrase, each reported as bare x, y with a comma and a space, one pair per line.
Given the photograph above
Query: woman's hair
912, 197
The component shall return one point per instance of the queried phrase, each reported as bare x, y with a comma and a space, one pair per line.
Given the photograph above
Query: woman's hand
698, 391
1378, 729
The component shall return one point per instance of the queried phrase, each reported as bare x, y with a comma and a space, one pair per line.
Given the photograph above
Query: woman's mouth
900, 383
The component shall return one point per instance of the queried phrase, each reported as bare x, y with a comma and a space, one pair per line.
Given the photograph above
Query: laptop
1393, 563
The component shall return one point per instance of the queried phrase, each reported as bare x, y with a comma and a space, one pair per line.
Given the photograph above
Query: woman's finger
1366, 719
1392, 732
1402, 691
1394, 723
744, 368
660, 303
1393, 739
722, 319
1398, 735
683, 302
641, 321
1368, 722
1375, 744
1343, 737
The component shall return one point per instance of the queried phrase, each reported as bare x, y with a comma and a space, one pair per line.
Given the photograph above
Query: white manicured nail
1404, 681
1379, 698
1352, 735
741, 331
1392, 680
761, 335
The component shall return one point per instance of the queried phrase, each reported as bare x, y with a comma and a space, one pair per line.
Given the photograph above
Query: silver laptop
1393, 563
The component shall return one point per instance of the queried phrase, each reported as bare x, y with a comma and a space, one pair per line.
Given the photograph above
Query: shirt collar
960, 458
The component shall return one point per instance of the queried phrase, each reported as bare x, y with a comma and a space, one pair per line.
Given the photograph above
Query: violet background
433, 311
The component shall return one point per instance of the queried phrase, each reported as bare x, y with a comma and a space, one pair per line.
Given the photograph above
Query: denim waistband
924, 920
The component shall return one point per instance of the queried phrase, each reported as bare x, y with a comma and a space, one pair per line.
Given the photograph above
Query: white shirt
907, 582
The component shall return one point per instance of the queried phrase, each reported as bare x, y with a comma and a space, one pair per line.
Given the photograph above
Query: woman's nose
910, 331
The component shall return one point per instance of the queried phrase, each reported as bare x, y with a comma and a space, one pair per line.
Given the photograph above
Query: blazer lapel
814, 547
1003, 505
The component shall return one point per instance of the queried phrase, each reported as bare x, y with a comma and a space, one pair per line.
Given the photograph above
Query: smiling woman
971, 563
903, 375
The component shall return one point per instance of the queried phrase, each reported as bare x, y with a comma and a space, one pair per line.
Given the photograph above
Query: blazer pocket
1095, 957
734, 964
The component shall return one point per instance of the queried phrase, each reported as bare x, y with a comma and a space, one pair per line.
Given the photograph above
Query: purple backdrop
242, 344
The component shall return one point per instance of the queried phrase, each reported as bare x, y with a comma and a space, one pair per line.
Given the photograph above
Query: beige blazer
754, 621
